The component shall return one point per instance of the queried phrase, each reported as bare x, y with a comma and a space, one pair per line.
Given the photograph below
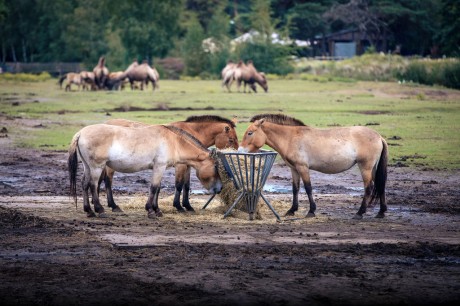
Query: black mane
209, 118
278, 119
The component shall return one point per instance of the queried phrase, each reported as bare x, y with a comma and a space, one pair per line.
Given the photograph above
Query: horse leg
295, 193
367, 174
151, 206
94, 177
108, 180
85, 186
305, 174
186, 194
180, 179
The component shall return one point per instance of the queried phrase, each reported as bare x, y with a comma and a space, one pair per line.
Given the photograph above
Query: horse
329, 151
227, 74
209, 130
248, 74
100, 73
70, 78
130, 150
142, 73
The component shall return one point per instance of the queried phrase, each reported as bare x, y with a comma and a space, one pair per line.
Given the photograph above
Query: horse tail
72, 163
380, 179
61, 80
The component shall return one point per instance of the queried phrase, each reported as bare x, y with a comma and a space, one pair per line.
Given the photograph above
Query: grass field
421, 124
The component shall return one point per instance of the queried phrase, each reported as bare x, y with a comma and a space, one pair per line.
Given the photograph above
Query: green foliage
194, 56
433, 72
25, 77
267, 57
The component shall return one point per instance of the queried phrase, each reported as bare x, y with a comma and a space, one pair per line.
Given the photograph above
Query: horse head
208, 174
254, 137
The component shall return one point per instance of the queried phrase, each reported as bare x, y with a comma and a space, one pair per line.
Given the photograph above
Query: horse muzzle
242, 150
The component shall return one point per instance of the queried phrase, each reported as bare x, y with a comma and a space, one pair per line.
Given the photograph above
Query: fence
51, 68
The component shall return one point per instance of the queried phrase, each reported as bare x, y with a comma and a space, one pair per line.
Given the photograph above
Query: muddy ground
51, 253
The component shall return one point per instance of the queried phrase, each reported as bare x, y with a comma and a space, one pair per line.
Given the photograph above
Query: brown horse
130, 150
325, 150
249, 75
100, 73
70, 78
209, 130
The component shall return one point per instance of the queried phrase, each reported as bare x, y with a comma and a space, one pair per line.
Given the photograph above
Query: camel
248, 74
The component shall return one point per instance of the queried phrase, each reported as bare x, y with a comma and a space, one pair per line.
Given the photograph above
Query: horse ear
234, 120
227, 129
260, 122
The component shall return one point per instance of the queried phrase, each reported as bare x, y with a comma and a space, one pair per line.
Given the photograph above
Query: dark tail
61, 79
72, 163
380, 179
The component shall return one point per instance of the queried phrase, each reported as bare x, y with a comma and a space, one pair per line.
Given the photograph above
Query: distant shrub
444, 72
170, 67
25, 77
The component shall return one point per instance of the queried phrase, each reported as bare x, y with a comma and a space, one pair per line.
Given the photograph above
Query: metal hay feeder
249, 172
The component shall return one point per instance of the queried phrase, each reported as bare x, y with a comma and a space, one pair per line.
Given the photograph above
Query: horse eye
250, 133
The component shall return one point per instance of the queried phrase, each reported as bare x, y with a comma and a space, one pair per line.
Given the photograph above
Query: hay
229, 193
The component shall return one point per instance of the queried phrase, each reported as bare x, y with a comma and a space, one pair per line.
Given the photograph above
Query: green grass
427, 119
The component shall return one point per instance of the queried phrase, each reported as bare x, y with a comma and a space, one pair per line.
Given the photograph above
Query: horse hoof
180, 209
380, 216
90, 214
151, 215
289, 213
358, 217
189, 208
310, 215
117, 210
159, 213
103, 215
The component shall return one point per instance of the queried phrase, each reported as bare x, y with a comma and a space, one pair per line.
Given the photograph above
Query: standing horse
130, 150
209, 130
249, 75
100, 73
325, 150
71, 78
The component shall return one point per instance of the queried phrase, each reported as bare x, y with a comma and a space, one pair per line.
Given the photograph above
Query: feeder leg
234, 204
271, 207
209, 201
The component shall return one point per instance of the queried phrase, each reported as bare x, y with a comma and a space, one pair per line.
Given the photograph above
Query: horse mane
278, 119
212, 118
184, 134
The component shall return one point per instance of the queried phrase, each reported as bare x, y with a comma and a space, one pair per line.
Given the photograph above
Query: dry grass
214, 213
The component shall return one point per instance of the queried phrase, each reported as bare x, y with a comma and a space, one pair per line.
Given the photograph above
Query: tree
192, 49
449, 34
147, 27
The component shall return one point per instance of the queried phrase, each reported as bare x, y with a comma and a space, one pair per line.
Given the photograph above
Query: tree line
200, 32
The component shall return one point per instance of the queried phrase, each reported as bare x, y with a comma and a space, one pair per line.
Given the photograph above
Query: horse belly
129, 160
336, 159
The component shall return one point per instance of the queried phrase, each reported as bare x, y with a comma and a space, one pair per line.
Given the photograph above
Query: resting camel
100, 73
249, 75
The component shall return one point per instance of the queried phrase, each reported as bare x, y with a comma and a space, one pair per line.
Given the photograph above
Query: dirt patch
51, 253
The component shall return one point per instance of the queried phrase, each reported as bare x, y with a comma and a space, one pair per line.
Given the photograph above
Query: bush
451, 76
170, 67
25, 77
267, 57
